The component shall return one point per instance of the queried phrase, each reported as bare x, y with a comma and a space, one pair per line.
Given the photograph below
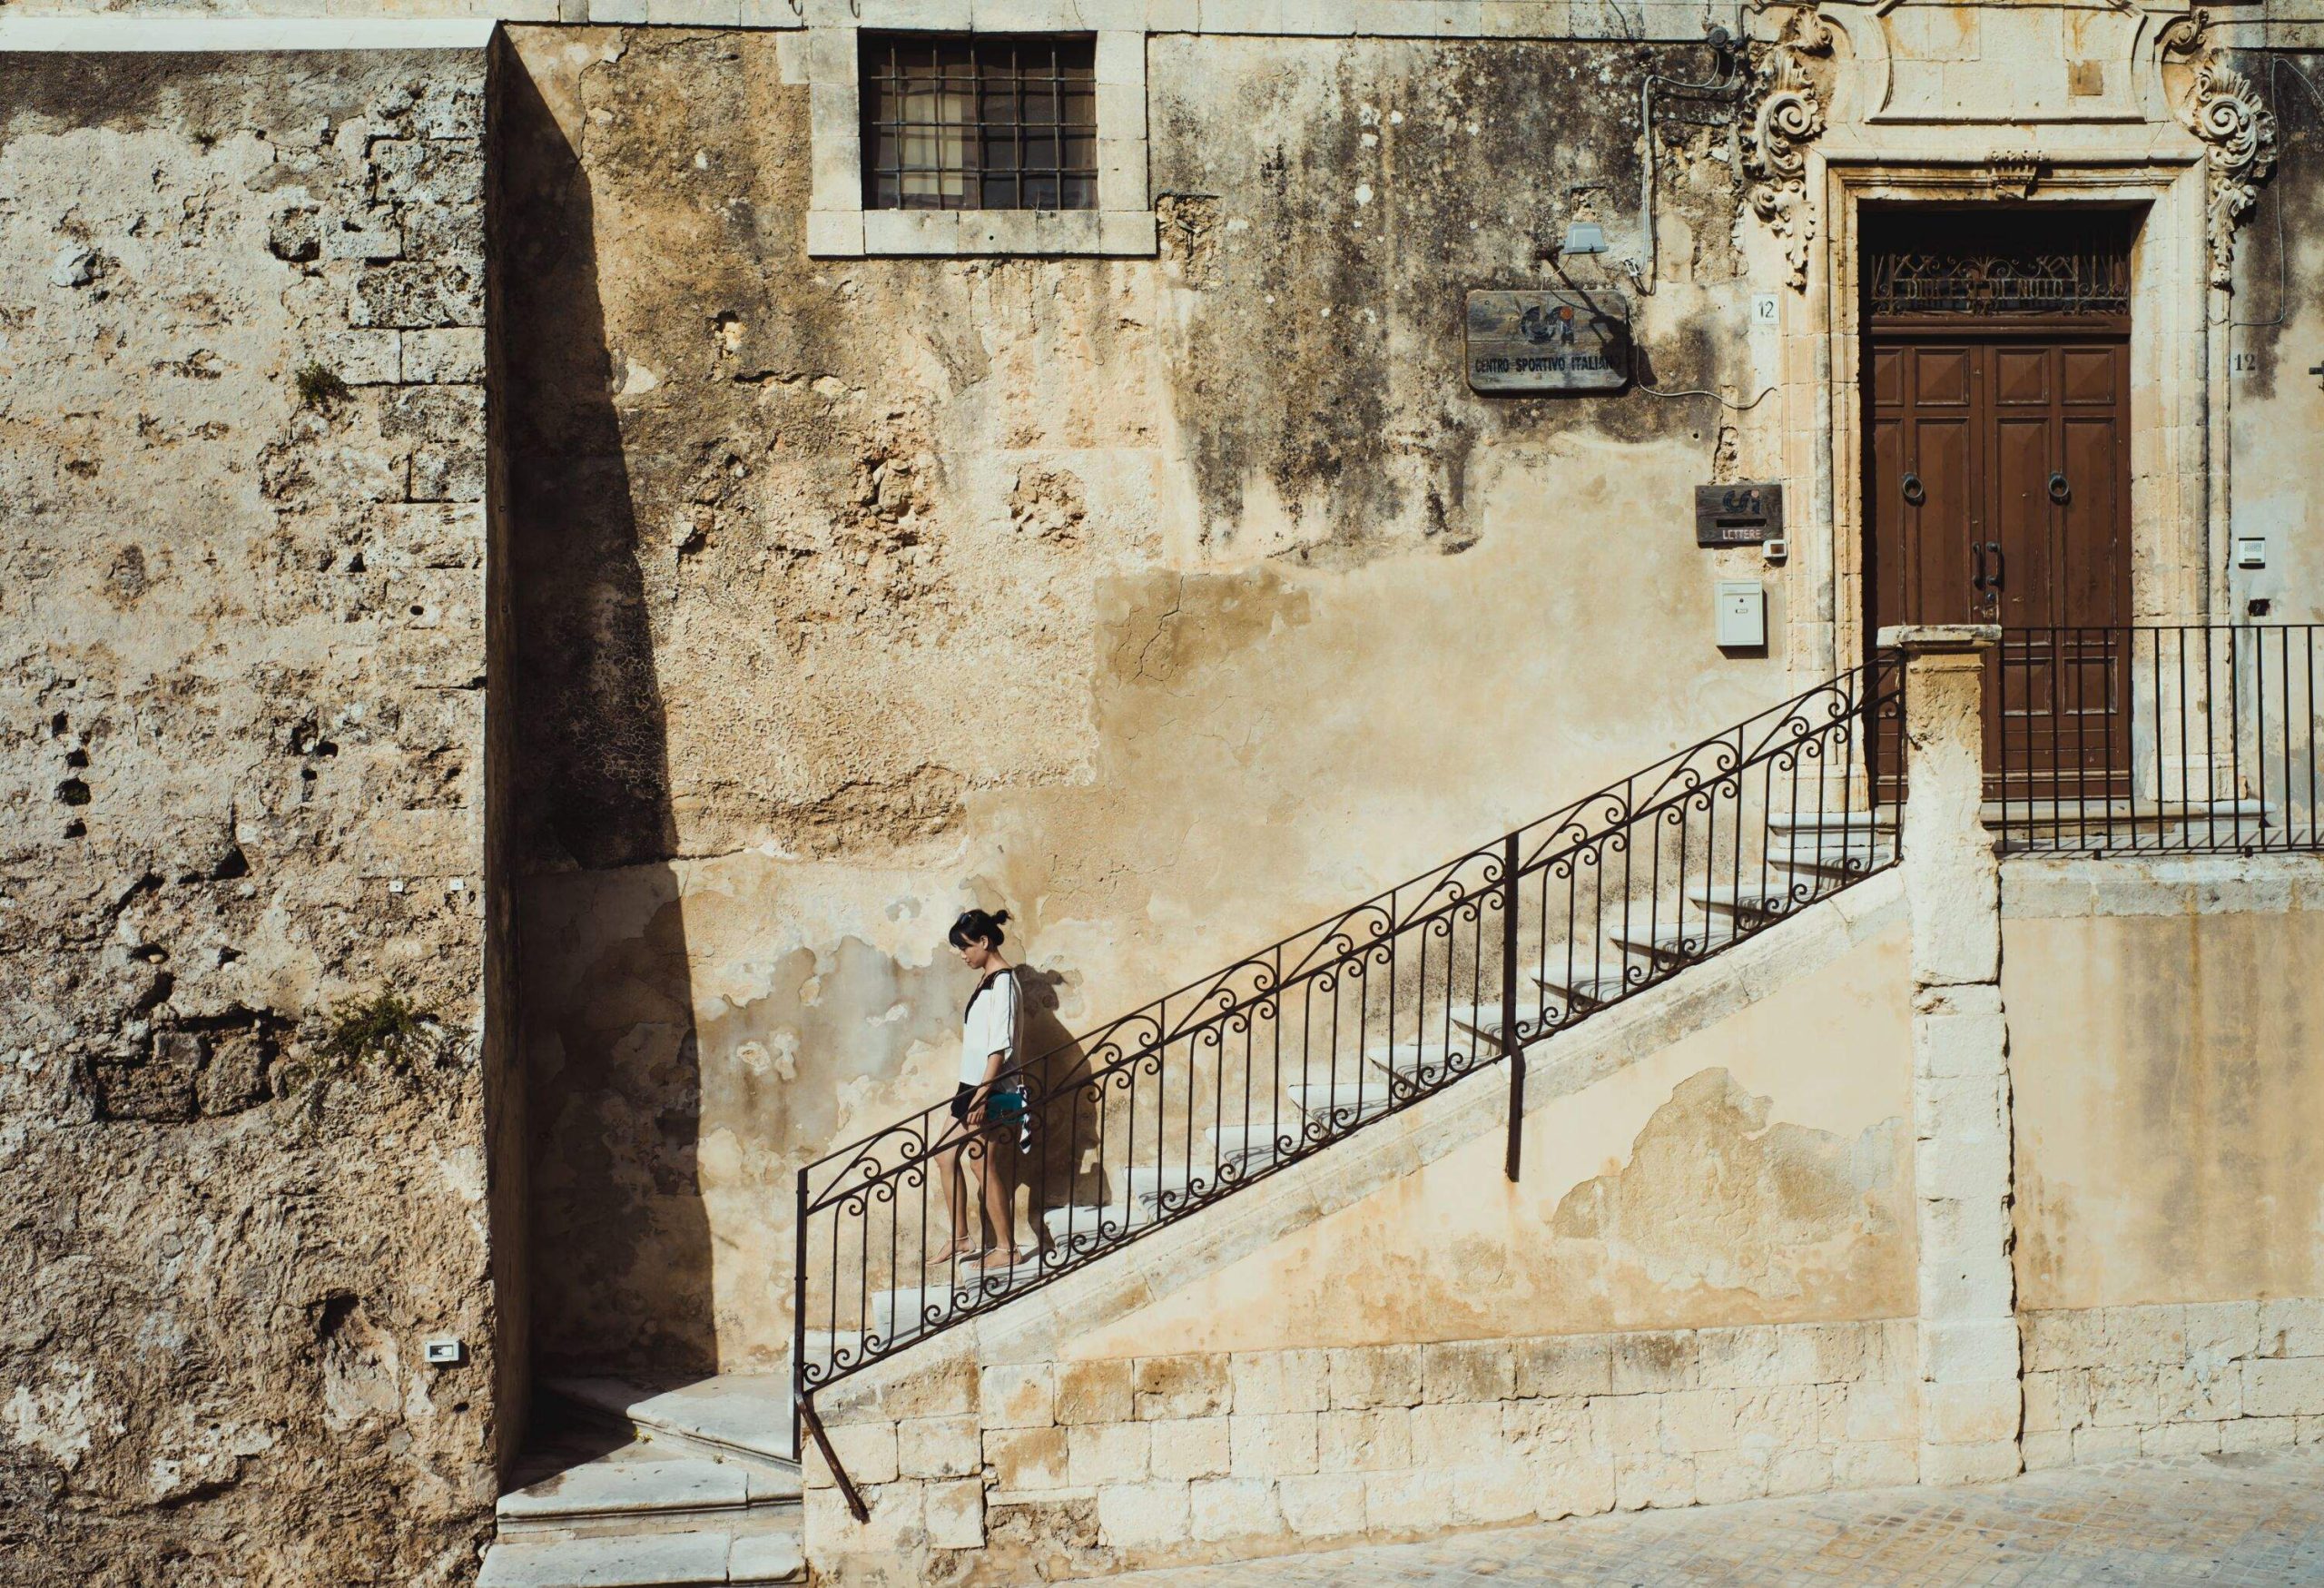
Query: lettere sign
1548, 340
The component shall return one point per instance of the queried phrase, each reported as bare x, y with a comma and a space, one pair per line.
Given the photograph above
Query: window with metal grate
981, 122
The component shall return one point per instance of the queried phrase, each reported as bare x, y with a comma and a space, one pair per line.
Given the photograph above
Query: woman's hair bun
978, 926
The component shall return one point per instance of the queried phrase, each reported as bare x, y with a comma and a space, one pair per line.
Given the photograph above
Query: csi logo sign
1543, 323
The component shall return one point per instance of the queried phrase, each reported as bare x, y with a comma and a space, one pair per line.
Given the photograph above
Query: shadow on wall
615, 1075
1063, 1170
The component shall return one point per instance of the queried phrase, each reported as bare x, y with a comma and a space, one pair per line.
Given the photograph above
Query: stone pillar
1971, 1400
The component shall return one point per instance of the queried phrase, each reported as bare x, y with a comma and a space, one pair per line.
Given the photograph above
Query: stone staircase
1810, 855
629, 1488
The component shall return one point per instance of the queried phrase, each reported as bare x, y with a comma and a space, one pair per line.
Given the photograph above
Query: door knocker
2059, 490
1914, 493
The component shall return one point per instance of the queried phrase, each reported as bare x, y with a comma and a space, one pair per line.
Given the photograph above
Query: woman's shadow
1061, 1173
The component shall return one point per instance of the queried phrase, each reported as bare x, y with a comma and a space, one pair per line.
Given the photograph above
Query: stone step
1135, 1203
1882, 820
1592, 984
1836, 854
1674, 945
1255, 1146
907, 1309
1405, 1059
644, 1482
708, 1558
1085, 1227
1776, 897
1343, 1104
742, 1416
1150, 1185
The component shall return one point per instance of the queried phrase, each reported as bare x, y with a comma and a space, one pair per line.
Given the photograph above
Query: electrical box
1742, 615
444, 1352
2250, 551
1748, 512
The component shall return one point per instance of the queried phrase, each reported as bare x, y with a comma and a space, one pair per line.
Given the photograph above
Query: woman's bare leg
964, 1241
999, 1197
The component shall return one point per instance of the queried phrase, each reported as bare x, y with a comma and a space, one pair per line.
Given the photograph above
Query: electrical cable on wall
1699, 391
1728, 48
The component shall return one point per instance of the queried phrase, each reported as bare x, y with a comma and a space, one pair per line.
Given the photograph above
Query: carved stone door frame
2178, 364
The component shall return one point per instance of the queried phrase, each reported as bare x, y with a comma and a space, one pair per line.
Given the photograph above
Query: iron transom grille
1915, 281
981, 123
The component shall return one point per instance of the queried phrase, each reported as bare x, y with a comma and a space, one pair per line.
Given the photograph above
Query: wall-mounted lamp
1583, 237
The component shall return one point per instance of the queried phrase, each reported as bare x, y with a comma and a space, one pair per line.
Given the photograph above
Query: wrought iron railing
2174, 738
1159, 1113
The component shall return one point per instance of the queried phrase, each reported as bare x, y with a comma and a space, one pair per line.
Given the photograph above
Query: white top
990, 1028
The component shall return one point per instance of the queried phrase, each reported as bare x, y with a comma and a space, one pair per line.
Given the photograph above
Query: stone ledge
2043, 888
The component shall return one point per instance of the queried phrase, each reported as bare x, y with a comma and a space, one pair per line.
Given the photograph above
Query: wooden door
1999, 491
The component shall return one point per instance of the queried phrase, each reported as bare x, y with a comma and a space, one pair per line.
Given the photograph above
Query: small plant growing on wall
319, 387
384, 1032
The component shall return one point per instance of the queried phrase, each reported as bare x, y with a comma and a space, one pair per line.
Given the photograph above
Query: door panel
2021, 375
2090, 374
2017, 564
1939, 526
1940, 377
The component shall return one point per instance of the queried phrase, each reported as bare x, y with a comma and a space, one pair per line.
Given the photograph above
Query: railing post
1511, 1048
803, 1409
798, 1311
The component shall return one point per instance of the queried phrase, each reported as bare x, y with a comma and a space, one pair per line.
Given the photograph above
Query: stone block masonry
243, 786
2206, 1378
1113, 1464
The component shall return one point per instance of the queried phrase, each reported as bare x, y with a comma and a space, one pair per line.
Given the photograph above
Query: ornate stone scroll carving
2182, 35
2240, 131
1787, 115
2237, 130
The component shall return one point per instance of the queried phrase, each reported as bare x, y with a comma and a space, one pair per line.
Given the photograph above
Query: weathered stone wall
2167, 1051
2104, 1384
242, 484
1172, 603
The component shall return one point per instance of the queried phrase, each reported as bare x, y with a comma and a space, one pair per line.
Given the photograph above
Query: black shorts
960, 1102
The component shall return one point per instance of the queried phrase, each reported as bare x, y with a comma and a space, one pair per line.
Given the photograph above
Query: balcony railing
2166, 739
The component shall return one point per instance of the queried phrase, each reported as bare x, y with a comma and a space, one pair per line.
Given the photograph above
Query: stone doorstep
644, 1560
743, 1416
645, 1483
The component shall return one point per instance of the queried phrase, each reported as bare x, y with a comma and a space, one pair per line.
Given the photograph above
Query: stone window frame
838, 226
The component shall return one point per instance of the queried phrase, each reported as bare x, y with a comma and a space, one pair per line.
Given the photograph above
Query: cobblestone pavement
2216, 1520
